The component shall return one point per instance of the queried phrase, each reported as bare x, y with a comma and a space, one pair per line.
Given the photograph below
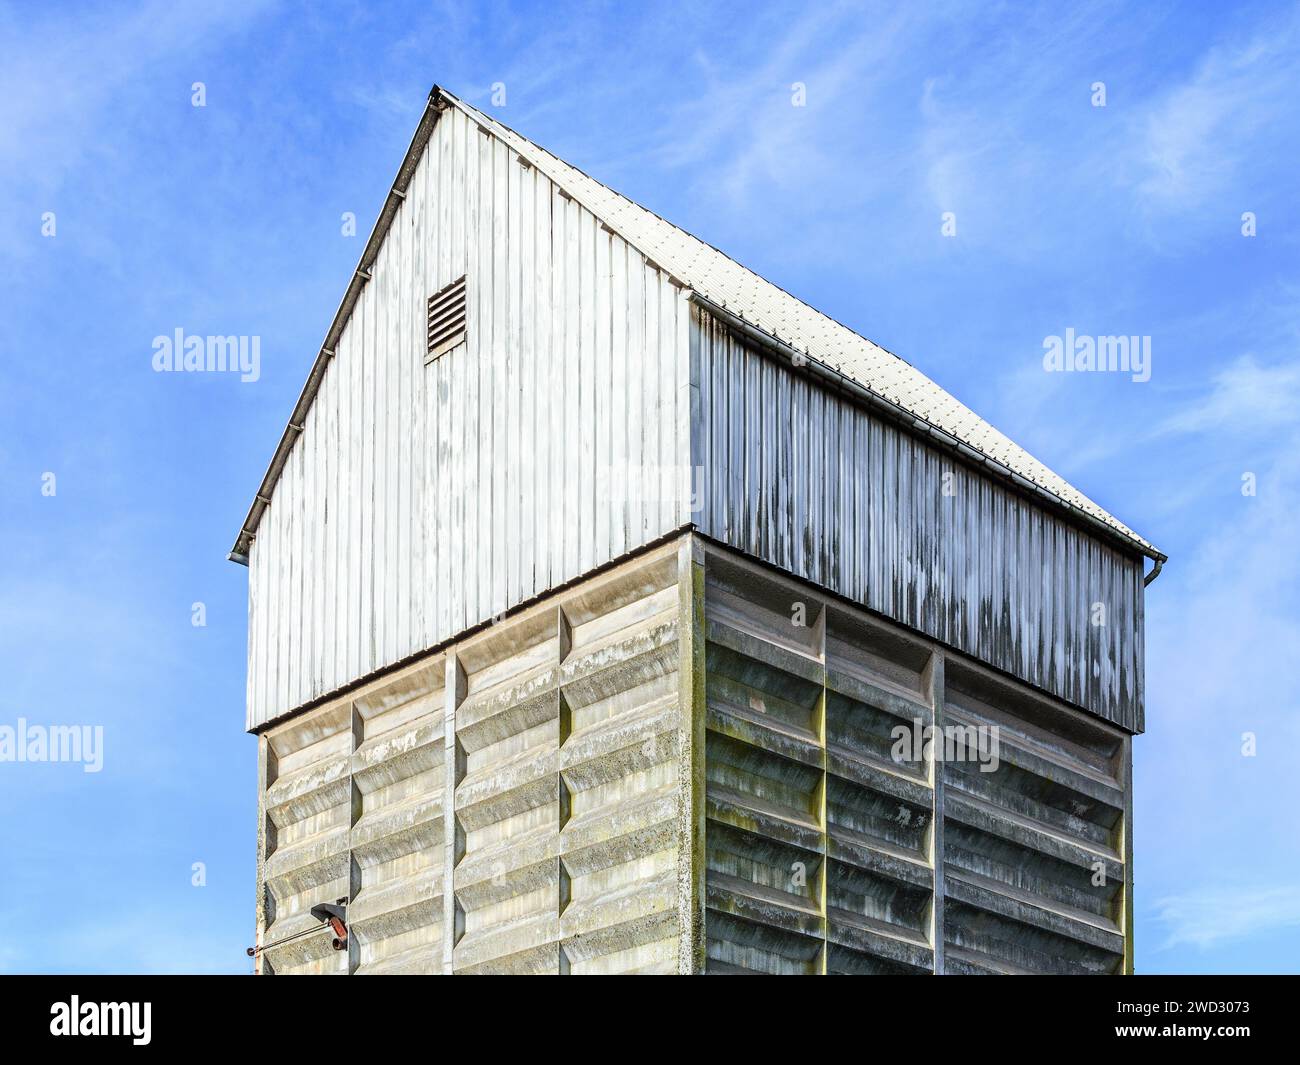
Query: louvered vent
446, 318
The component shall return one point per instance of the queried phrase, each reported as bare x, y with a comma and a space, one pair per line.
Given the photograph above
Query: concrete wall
822, 846
542, 768
687, 763
352, 808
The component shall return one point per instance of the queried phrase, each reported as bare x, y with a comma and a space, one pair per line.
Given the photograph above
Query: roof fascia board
360, 276
495, 129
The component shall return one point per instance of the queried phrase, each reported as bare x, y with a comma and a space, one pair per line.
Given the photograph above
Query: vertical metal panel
422, 500
842, 498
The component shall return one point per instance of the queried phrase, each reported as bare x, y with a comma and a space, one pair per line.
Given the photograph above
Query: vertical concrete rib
453, 694
265, 755
823, 811
354, 815
1126, 782
934, 687
691, 741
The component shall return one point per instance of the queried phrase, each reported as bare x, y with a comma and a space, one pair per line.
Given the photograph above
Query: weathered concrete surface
822, 842
691, 763
542, 767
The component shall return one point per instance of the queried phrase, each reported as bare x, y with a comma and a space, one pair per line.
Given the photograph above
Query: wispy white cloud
1219, 626
386, 102
71, 94
1244, 397
60, 82
1195, 135
949, 153
1213, 915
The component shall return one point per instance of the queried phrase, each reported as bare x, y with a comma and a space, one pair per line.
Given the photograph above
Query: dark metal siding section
806, 480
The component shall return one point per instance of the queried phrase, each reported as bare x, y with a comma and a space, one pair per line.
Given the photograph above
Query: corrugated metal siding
419, 501
814, 484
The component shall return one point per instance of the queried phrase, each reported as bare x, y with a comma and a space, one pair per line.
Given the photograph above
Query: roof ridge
476, 113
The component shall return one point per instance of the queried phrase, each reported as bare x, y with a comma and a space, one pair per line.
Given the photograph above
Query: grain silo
596, 586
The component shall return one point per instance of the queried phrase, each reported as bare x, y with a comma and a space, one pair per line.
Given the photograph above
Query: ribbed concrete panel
819, 842
823, 833
396, 843
307, 808
419, 500
568, 786
564, 745
1034, 852
804, 479
353, 808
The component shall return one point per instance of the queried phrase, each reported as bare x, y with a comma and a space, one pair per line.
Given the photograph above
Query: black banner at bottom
169, 1013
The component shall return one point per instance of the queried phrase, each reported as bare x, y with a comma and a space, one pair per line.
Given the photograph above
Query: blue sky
225, 220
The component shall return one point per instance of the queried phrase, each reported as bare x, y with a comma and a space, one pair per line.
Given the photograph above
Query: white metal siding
419, 501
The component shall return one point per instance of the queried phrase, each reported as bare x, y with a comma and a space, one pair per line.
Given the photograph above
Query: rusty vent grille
447, 315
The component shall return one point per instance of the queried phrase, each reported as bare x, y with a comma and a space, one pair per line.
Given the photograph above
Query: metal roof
754, 301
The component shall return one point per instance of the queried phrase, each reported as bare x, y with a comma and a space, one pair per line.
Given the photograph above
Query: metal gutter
919, 426
360, 276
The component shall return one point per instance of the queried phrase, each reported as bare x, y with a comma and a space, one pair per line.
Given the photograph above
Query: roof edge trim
360, 276
918, 425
